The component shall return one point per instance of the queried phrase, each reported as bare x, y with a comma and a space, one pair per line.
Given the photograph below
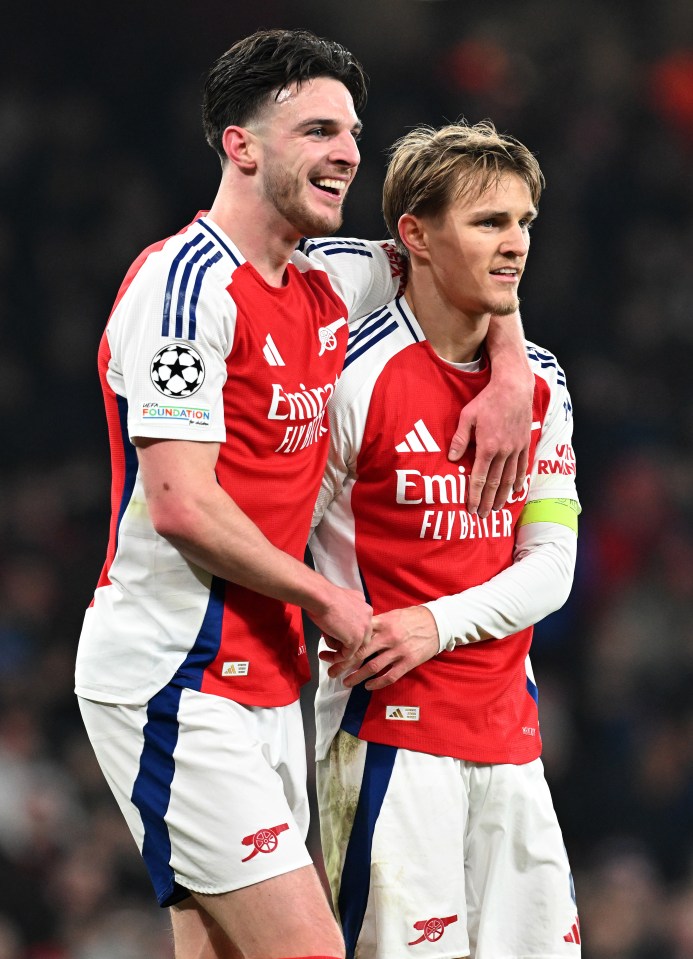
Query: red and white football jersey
199, 347
392, 521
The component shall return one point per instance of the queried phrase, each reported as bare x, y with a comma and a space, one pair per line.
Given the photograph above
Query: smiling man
218, 362
438, 829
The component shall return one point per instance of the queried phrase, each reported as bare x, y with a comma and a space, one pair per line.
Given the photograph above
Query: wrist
446, 639
317, 595
512, 366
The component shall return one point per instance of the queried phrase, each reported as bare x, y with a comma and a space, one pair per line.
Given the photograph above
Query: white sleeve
340, 458
553, 469
537, 583
365, 273
173, 384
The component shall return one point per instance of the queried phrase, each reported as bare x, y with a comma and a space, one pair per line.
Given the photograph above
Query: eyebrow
327, 122
492, 214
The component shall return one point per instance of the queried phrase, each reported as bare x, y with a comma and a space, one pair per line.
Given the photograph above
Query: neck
453, 334
263, 238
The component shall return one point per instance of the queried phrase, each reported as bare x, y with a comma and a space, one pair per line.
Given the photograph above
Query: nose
516, 241
345, 150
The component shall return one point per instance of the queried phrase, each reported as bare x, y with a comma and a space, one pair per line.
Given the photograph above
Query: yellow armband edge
562, 511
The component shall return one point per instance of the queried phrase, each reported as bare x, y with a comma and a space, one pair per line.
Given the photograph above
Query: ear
413, 234
240, 146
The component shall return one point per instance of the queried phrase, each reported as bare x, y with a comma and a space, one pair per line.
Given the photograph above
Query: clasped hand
399, 641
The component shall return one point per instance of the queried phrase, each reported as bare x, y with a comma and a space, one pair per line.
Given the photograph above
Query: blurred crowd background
101, 153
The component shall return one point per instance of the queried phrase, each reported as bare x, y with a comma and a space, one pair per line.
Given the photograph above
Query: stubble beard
282, 191
507, 307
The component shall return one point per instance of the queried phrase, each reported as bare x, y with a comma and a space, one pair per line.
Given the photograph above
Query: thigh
393, 824
520, 896
203, 785
196, 934
285, 916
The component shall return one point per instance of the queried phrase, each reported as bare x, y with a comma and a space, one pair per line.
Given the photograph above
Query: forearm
189, 508
499, 419
537, 583
220, 538
505, 343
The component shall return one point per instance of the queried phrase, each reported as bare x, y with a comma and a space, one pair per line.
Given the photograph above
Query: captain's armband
562, 511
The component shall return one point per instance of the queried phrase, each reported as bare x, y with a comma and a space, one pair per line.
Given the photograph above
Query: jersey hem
512, 758
249, 699
199, 435
111, 698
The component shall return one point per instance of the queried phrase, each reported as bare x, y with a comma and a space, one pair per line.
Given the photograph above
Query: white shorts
214, 792
439, 858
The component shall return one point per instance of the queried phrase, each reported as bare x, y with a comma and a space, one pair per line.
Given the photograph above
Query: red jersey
199, 347
393, 521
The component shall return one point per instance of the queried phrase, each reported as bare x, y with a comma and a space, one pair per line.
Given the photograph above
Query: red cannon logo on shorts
264, 840
431, 929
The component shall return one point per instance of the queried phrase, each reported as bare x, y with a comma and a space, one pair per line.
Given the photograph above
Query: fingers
387, 678
346, 623
332, 642
339, 663
380, 672
482, 482
521, 472
460, 440
492, 481
507, 481
368, 670
341, 660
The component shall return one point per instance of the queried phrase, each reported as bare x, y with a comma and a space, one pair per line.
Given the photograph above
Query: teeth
330, 184
508, 270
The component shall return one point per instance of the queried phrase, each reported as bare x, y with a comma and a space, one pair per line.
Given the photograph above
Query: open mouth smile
507, 274
330, 187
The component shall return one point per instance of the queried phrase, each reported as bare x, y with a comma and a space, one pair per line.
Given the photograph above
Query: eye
318, 132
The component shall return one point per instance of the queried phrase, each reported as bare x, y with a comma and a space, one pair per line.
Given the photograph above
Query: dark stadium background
101, 153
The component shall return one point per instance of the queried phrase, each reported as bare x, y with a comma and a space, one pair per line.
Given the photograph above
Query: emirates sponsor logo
439, 489
304, 412
397, 263
414, 488
563, 464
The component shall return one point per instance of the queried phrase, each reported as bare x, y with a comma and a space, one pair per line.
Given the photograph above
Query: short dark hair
243, 79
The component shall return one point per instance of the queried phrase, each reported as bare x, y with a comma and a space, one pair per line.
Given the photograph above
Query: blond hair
430, 168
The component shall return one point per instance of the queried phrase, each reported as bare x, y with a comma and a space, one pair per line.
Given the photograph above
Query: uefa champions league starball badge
177, 370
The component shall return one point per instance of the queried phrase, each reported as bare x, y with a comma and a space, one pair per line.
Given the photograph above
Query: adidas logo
406, 713
418, 440
271, 353
235, 669
574, 934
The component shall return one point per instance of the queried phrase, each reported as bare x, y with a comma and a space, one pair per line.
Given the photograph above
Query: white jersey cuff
538, 583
